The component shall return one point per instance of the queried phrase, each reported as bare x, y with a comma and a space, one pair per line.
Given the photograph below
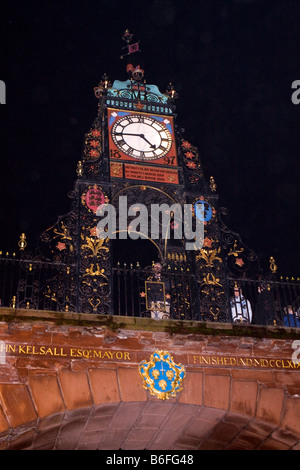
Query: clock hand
151, 145
137, 135
126, 133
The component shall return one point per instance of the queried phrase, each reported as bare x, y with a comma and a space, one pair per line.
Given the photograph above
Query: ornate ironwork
194, 177
148, 194
240, 259
31, 283
93, 253
73, 270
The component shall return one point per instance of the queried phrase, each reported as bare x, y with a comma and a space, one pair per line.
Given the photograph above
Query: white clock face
141, 137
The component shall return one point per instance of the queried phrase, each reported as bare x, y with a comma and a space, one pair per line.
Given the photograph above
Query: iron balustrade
141, 292
35, 284
265, 301
174, 293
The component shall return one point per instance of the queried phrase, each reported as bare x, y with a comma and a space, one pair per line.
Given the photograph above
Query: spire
135, 87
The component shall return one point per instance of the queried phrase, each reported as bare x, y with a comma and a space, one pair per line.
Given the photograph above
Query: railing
155, 294
35, 284
265, 301
171, 294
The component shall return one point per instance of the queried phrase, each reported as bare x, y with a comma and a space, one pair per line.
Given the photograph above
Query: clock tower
139, 172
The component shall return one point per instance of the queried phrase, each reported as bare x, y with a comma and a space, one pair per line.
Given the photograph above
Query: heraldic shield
161, 376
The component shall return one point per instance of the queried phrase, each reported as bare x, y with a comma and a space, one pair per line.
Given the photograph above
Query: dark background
232, 62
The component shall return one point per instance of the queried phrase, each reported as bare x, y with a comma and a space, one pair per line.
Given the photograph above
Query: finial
212, 184
172, 92
105, 81
79, 169
22, 242
273, 265
13, 301
104, 84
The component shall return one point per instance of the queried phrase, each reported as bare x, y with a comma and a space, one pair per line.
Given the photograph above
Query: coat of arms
161, 376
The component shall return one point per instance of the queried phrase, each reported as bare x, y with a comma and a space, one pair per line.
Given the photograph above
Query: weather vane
129, 48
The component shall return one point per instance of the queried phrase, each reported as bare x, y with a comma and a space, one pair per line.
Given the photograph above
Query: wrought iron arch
147, 195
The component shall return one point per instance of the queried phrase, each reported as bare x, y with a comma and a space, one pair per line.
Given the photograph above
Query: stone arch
106, 408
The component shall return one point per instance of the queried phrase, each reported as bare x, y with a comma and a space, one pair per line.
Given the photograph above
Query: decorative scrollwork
125, 94
240, 259
152, 98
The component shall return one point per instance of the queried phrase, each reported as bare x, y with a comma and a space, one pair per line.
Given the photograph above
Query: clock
141, 137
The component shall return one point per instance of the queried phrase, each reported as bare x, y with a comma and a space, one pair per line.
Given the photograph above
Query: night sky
232, 62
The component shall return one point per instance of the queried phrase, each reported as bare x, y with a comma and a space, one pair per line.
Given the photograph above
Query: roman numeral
129, 152
120, 141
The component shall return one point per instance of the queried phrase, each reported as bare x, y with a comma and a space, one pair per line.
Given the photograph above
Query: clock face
142, 137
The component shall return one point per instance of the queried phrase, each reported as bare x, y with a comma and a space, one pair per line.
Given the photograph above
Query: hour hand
151, 145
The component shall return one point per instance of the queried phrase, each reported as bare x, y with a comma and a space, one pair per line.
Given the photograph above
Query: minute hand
138, 135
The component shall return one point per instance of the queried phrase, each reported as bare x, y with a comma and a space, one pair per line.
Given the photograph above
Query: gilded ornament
65, 235
273, 265
94, 244
209, 256
95, 272
22, 242
210, 279
212, 184
234, 251
79, 169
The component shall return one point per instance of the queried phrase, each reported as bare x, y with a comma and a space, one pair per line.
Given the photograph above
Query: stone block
291, 417
225, 432
192, 389
70, 433
113, 439
198, 429
126, 415
244, 395
104, 385
164, 440
17, 404
158, 407
46, 394
131, 385
217, 391
75, 389
22, 441
270, 405
272, 444
180, 417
